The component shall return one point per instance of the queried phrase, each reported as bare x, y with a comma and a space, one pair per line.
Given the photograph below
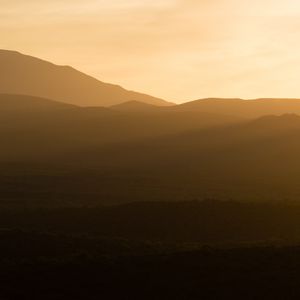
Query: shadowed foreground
193, 250
208, 273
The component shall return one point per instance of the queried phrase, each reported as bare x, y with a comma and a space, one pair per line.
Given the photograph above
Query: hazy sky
175, 49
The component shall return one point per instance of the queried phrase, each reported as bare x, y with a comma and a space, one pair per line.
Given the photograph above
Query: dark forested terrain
240, 273
192, 250
206, 222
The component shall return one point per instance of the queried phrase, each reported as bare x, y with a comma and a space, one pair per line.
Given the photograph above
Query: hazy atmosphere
172, 49
149, 150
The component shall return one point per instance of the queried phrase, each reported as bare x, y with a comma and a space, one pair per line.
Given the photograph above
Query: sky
178, 50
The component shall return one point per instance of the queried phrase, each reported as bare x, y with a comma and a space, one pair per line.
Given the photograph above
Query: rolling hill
243, 108
27, 75
34, 127
10, 103
101, 155
136, 107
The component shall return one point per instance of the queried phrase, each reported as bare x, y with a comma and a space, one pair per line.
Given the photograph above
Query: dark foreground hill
27, 75
187, 224
209, 250
243, 273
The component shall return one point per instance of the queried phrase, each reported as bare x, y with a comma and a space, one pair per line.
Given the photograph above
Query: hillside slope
243, 108
27, 75
98, 155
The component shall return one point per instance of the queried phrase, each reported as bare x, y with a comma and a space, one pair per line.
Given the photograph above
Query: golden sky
175, 49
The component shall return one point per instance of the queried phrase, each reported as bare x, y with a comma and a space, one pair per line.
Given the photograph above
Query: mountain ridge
27, 103
28, 75
246, 108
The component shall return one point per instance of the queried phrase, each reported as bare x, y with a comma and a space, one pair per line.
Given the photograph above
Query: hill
27, 75
98, 155
30, 125
136, 107
10, 103
243, 108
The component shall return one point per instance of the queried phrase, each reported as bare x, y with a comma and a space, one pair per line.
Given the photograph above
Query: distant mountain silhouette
110, 156
282, 122
136, 106
65, 126
24, 103
243, 108
27, 75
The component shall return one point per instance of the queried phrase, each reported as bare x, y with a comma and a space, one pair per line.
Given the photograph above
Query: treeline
208, 273
152, 250
203, 222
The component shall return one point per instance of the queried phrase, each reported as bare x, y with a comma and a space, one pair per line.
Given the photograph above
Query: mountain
29, 124
40, 137
251, 161
23, 103
88, 156
27, 75
243, 108
136, 107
